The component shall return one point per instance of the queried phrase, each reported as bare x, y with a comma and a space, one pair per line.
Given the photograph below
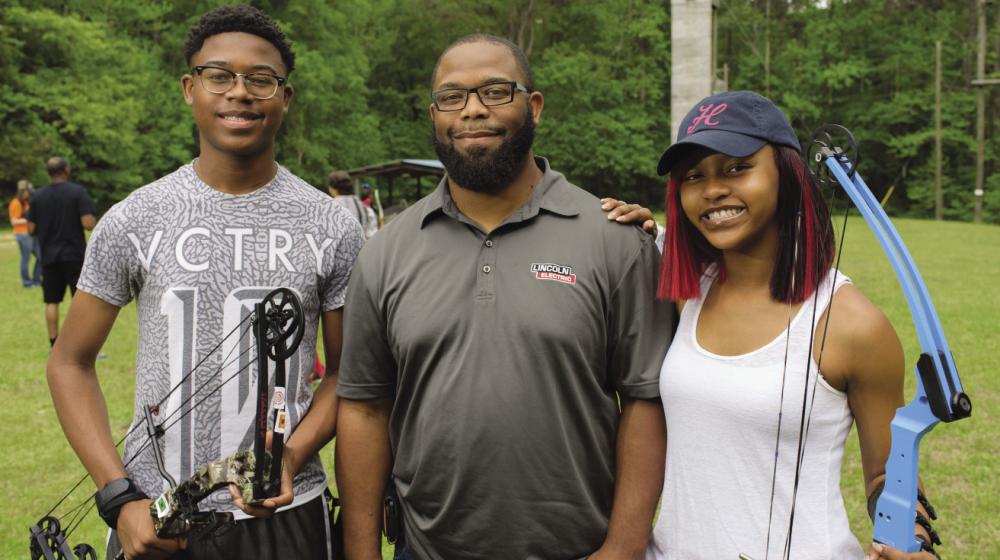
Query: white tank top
722, 421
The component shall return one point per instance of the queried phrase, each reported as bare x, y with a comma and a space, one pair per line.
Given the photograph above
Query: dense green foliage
98, 82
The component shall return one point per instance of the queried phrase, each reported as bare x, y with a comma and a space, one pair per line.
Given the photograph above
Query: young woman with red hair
768, 329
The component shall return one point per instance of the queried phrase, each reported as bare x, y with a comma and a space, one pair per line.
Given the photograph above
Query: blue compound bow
939, 397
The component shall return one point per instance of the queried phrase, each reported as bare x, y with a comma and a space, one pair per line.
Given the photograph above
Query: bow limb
939, 395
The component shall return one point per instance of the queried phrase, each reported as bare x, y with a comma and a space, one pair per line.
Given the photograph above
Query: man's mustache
498, 130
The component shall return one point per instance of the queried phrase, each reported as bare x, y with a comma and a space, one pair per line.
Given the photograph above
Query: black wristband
113, 496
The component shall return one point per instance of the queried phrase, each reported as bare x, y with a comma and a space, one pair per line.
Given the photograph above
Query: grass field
960, 263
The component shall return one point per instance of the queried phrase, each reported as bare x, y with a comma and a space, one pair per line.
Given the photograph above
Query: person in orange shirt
25, 242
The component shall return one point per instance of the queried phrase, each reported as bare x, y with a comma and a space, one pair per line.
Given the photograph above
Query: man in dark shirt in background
59, 213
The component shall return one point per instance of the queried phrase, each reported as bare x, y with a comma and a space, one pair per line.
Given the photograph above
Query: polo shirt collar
551, 194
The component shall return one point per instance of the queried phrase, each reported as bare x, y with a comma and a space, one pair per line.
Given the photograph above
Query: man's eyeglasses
491, 95
219, 80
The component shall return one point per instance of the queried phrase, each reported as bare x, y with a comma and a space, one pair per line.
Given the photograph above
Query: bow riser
897, 506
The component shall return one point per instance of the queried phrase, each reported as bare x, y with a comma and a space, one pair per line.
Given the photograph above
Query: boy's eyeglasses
260, 85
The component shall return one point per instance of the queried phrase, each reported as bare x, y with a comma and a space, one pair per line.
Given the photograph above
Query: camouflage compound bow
278, 325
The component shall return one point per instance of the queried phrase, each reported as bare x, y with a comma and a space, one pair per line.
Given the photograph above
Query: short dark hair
341, 182
56, 166
520, 58
805, 246
242, 19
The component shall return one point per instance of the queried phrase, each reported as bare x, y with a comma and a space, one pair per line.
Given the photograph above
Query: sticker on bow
554, 272
281, 422
162, 505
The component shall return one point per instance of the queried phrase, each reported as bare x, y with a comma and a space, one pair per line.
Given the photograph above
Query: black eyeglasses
261, 85
491, 95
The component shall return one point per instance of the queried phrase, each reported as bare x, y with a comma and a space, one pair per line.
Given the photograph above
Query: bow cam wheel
285, 323
832, 140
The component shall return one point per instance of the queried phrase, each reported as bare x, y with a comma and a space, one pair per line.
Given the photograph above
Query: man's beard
484, 171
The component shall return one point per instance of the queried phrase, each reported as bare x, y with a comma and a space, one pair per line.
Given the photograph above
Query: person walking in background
342, 190
25, 242
58, 215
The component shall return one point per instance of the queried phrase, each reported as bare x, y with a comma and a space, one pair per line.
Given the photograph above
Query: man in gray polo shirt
490, 332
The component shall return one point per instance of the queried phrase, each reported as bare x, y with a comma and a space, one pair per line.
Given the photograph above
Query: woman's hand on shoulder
625, 213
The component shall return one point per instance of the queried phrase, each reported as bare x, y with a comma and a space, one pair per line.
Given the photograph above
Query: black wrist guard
113, 496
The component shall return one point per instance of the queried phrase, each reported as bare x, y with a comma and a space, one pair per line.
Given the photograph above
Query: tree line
97, 81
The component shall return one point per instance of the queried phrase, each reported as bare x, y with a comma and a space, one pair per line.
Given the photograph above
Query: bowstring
207, 355
804, 431
139, 424
77, 519
784, 370
149, 441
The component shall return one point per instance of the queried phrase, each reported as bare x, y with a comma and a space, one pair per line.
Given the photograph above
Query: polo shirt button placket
487, 263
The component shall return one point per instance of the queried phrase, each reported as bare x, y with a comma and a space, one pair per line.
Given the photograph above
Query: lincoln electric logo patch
555, 272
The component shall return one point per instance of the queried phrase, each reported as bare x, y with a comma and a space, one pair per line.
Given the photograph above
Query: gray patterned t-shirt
196, 260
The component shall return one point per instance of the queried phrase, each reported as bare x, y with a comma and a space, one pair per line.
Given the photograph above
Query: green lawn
960, 263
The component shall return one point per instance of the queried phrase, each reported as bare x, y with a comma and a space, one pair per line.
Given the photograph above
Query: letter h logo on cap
708, 114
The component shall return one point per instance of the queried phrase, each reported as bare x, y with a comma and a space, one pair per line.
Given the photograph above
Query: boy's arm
319, 424
75, 390
80, 406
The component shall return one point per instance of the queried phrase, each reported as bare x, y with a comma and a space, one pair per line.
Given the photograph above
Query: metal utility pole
938, 191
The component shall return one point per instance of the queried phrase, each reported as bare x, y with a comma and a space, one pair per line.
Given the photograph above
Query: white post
692, 56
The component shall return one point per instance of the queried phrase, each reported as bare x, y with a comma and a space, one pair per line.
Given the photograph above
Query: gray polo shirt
504, 355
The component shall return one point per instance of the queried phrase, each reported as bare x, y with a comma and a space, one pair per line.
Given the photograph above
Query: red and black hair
805, 238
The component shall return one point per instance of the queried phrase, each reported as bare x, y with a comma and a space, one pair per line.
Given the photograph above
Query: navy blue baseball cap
735, 123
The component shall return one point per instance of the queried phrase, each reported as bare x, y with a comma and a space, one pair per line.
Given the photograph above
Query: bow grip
896, 510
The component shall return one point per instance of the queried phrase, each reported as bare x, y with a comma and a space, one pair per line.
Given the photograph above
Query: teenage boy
196, 249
